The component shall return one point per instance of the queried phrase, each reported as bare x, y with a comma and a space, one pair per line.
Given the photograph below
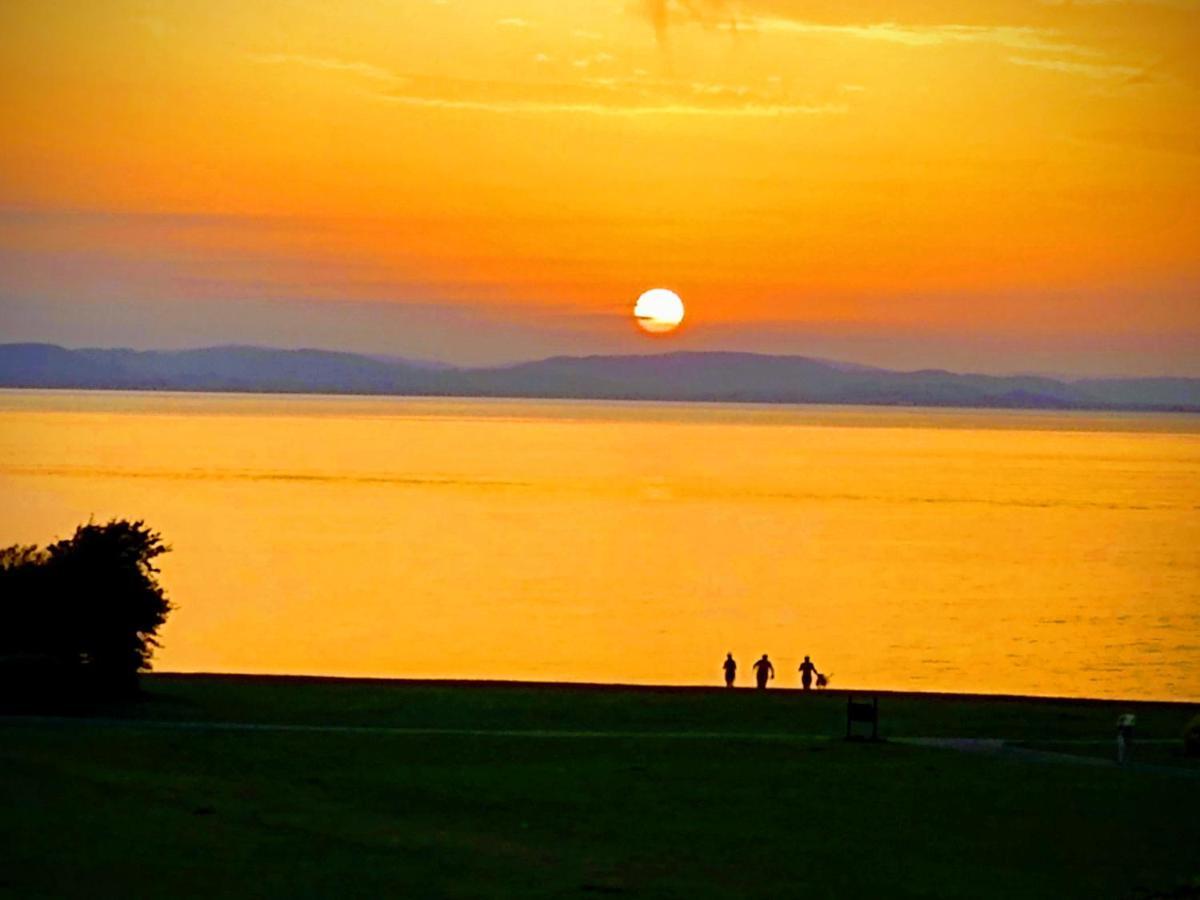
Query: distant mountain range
716, 376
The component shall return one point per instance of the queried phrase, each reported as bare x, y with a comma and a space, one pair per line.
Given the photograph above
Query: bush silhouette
79, 616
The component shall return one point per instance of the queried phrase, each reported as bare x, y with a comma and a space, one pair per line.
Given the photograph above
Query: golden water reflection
928, 549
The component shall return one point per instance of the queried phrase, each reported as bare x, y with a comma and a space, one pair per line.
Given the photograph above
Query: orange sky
1005, 185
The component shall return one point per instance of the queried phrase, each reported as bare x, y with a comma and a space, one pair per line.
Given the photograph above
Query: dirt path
992, 747
1006, 750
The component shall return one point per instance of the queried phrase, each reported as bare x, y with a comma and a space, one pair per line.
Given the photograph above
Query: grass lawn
528, 791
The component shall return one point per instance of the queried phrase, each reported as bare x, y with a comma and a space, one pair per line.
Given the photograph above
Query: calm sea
1042, 553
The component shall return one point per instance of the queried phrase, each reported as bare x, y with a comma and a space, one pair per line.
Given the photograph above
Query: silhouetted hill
670, 376
714, 376
752, 377
210, 369
1182, 392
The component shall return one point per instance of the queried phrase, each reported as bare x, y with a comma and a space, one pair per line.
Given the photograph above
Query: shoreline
591, 687
713, 400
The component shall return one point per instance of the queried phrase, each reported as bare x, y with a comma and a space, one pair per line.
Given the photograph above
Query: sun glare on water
658, 311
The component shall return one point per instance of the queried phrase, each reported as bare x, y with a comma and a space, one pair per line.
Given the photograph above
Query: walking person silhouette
807, 670
730, 667
762, 670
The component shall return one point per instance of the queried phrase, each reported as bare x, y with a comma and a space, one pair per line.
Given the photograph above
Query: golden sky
998, 184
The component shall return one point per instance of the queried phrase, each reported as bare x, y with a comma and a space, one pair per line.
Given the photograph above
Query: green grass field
394, 789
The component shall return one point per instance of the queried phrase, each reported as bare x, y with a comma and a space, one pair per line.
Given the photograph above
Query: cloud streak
329, 64
471, 96
1009, 36
539, 107
1058, 52
663, 14
1187, 5
1088, 70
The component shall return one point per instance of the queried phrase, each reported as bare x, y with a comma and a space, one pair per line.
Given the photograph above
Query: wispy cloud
592, 96
660, 17
1009, 36
1062, 54
727, 16
331, 64
585, 62
514, 22
1192, 5
1088, 70
720, 90
540, 107
663, 13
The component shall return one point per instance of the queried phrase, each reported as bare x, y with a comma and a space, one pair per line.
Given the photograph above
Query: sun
658, 311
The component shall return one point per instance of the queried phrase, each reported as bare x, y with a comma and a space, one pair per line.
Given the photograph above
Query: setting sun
658, 311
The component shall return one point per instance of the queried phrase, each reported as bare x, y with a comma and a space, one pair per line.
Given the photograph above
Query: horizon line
436, 363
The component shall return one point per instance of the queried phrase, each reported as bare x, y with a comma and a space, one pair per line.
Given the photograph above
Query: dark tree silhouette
87, 607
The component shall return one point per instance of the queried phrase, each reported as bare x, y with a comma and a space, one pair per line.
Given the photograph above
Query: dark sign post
862, 712
1125, 726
